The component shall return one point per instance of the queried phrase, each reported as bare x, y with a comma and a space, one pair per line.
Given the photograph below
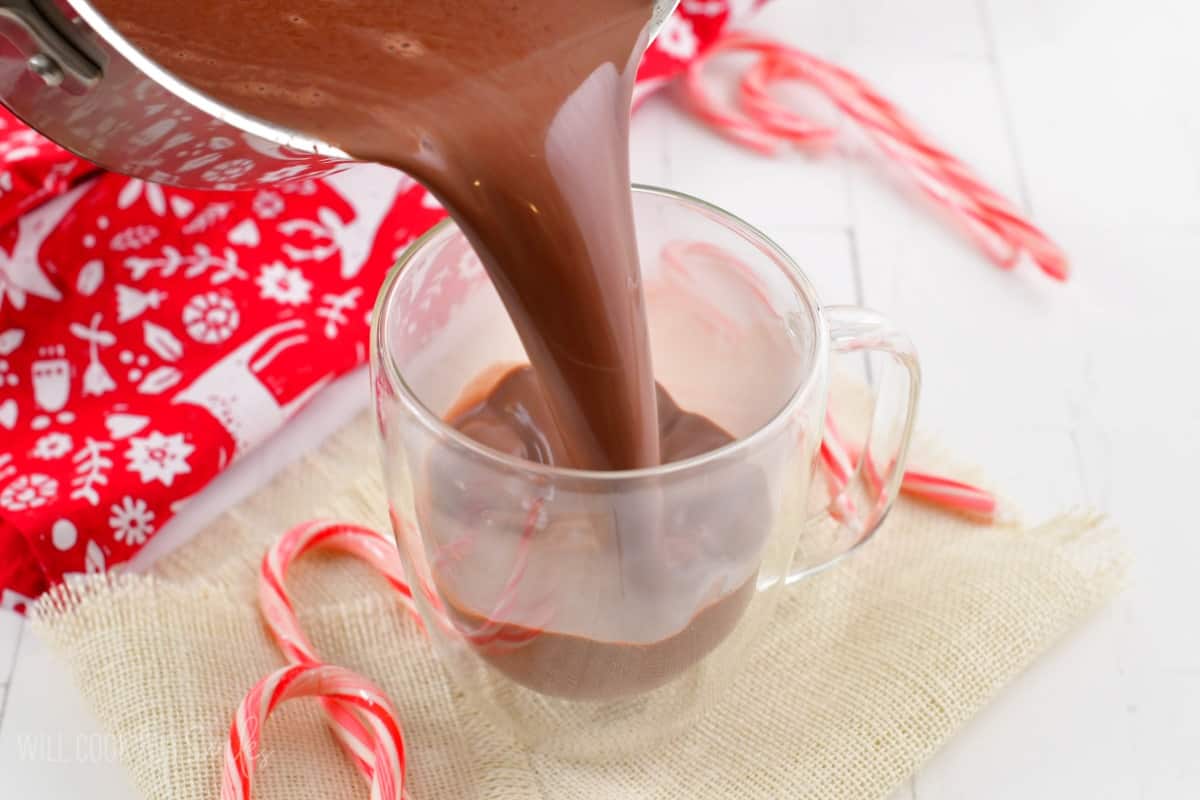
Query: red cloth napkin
150, 336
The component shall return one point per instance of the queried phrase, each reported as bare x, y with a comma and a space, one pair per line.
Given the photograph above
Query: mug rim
382, 360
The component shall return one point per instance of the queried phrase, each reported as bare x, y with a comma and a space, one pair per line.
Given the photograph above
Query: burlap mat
870, 667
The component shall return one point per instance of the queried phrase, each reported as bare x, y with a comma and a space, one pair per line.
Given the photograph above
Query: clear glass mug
595, 613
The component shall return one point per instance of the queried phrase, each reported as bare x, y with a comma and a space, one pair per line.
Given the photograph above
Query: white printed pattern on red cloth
133, 370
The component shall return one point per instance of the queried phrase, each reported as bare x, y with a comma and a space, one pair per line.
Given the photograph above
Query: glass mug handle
853, 329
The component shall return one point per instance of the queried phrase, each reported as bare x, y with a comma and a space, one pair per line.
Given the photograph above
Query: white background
1086, 113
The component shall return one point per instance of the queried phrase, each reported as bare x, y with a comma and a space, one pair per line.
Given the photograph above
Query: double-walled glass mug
594, 613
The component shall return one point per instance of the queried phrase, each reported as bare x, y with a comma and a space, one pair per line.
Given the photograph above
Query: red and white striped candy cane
361, 717
378, 552
946, 493
361, 542
839, 471
990, 220
840, 461
333, 684
496, 634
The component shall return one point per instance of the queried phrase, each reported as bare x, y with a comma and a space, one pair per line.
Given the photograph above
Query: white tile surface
1071, 721
10, 635
826, 255
792, 188
966, 115
818, 26
1101, 95
50, 745
1082, 394
937, 28
648, 159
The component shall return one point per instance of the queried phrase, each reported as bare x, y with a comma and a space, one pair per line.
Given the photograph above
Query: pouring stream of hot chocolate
514, 113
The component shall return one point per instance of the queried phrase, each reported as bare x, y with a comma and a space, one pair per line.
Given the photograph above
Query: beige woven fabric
869, 667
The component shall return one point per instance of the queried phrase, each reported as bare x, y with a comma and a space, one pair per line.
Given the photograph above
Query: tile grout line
1010, 128
1075, 408
1080, 469
664, 142
856, 265
851, 227
12, 668
809, 227
860, 294
846, 169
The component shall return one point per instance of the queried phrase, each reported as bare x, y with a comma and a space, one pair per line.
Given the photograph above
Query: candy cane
951, 494
360, 715
680, 280
333, 684
380, 553
495, 633
986, 216
740, 128
943, 492
839, 471
363, 543
992, 222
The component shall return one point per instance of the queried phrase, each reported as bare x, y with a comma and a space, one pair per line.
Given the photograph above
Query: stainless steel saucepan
67, 73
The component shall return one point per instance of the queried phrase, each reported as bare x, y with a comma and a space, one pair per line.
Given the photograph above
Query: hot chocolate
667, 570
515, 114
